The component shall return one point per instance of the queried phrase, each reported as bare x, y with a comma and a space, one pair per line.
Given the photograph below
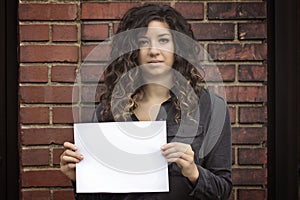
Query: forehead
158, 24
156, 28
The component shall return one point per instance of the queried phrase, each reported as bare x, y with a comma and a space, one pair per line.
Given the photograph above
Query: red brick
48, 94
32, 157
232, 112
87, 114
92, 73
91, 93
249, 135
49, 53
231, 197
33, 74
115, 26
98, 53
41, 194
93, 32
252, 73
253, 115
36, 11
56, 155
252, 156
63, 73
61, 33
237, 52
63, 195
252, 194
213, 31
233, 158
249, 176
36, 186
190, 10
65, 115
246, 93
34, 32
44, 178
252, 31
34, 115
255, 10
88, 94
105, 10
218, 89
220, 73
46, 136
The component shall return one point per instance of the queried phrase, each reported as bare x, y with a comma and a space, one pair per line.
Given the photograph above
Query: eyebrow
160, 35
164, 34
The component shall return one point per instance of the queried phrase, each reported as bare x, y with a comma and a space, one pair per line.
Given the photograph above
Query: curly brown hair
124, 57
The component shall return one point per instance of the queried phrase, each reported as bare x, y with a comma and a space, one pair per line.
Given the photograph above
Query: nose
154, 50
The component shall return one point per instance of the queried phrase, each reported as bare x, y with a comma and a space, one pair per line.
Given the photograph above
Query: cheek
141, 57
171, 53
171, 57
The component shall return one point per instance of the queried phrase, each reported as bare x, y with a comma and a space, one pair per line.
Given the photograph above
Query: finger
171, 160
71, 166
177, 146
68, 167
174, 155
69, 145
186, 149
187, 158
180, 162
170, 145
177, 151
168, 151
68, 159
73, 154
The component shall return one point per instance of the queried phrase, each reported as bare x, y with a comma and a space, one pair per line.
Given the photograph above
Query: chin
157, 75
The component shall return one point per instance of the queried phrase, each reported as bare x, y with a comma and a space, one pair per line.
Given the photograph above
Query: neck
164, 80
156, 91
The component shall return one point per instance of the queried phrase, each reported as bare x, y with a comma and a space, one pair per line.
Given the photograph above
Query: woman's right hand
68, 160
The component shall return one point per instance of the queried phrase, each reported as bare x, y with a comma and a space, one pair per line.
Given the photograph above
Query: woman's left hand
183, 155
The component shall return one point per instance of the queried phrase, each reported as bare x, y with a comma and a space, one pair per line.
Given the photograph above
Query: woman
199, 153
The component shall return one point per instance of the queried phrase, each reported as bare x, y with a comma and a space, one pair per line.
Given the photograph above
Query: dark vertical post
12, 159
283, 165
271, 100
2, 102
9, 160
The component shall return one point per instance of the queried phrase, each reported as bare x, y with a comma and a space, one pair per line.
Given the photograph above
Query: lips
154, 61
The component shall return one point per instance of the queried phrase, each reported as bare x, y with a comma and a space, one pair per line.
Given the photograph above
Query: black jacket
212, 147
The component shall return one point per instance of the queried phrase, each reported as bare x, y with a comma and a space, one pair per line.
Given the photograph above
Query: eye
164, 40
143, 42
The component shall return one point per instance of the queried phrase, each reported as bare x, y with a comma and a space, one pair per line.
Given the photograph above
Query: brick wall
56, 35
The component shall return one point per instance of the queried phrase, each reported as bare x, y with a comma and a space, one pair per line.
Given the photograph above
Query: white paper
121, 157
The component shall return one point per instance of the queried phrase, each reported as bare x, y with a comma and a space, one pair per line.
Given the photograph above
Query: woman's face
156, 55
